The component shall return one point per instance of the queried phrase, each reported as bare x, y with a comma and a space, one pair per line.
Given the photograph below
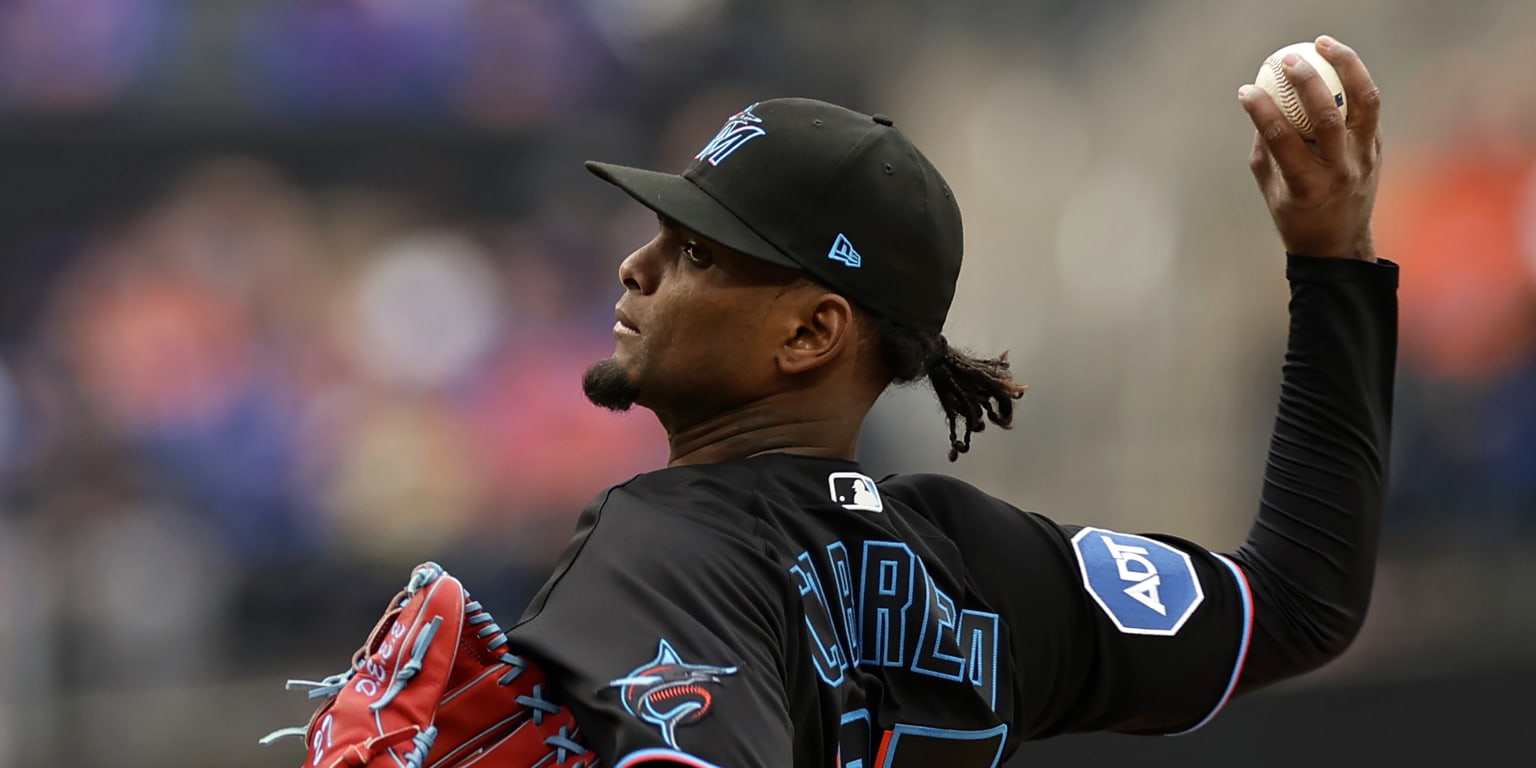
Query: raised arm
1310, 557
1149, 633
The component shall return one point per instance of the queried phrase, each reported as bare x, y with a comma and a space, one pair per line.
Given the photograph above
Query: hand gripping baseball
1320, 193
435, 686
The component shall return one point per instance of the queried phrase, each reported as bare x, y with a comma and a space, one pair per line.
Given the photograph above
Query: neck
766, 426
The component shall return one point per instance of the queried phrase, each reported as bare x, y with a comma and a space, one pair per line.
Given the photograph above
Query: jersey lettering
978, 635
887, 591
941, 642
854, 740
828, 655
876, 622
911, 746
917, 746
847, 602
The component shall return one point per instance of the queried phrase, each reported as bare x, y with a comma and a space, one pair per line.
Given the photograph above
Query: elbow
1333, 633
1299, 630
1282, 650
1325, 622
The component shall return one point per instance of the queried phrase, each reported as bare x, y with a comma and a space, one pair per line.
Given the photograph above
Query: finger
1281, 139
1259, 161
1360, 90
1318, 102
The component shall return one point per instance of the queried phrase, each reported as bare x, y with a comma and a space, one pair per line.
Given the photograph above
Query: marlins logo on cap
741, 128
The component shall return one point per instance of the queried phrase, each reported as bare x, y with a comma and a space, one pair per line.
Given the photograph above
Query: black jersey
785, 610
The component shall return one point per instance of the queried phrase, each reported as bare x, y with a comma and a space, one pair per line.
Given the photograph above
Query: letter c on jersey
1146, 587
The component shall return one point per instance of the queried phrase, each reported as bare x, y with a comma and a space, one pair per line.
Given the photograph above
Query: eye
697, 254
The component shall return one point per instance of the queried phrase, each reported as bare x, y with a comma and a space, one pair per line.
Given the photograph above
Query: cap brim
684, 202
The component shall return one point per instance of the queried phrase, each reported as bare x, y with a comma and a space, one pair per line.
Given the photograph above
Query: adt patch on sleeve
1145, 586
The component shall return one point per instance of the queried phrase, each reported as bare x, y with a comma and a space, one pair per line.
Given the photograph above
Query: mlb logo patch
855, 491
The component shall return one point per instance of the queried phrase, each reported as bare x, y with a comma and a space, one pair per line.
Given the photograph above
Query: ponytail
971, 390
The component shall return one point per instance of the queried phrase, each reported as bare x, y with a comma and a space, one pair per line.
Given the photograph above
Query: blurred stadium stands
296, 294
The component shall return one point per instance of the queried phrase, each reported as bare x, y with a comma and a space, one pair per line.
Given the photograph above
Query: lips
624, 324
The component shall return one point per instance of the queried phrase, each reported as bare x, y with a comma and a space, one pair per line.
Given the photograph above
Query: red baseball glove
435, 687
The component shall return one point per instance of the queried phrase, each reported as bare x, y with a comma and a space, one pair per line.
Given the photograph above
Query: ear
821, 329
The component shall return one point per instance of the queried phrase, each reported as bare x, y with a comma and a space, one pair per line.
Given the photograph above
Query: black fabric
840, 194
1312, 548
685, 203
774, 611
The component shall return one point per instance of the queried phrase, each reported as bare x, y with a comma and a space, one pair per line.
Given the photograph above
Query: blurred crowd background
296, 294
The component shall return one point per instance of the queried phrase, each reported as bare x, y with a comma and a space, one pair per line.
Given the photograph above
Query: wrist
1364, 250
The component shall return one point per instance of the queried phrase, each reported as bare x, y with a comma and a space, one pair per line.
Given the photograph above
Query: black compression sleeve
1311, 554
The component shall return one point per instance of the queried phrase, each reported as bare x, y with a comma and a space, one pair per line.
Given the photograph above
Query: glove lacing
562, 744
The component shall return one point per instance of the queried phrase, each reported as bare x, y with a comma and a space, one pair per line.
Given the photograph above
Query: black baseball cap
841, 195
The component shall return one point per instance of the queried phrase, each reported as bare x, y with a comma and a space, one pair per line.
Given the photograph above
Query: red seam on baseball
1290, 104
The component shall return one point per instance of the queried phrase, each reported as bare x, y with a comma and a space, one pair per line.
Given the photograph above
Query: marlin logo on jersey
741, 128
667, 691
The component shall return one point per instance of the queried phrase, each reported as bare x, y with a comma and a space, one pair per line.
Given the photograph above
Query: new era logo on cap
843, 251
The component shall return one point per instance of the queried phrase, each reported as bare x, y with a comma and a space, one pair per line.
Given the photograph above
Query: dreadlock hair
971, 390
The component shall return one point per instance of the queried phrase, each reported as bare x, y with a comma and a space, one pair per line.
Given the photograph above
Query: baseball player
762, 601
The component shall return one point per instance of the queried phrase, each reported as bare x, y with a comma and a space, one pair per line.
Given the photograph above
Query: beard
606, 385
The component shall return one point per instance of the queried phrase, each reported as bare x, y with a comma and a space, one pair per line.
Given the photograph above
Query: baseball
1273, 80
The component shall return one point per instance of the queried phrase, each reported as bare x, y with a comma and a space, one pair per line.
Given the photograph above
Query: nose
639, 271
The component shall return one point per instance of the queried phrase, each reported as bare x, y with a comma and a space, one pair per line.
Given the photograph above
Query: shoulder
651, 542
682, 506
973, 519
924, 484
946, 500
669, 525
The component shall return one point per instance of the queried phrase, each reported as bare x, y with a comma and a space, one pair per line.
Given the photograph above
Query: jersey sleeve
1105, 631
1152, 634
1311, 553
660, 634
